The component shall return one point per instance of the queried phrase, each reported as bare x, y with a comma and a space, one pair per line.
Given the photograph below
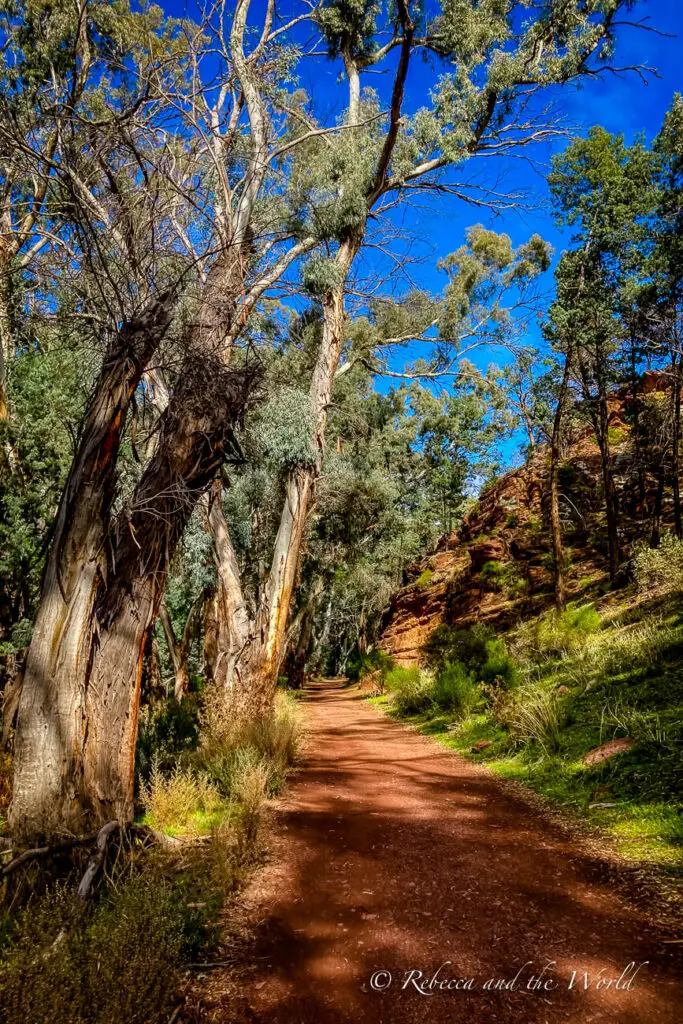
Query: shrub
167, 730
616, 435
478, 649
554, 633
181, 802
660, 568
499, 665
123, 964
536, 716
424, 579
454, 689
497, 575
447, 643
411, 690
273, 742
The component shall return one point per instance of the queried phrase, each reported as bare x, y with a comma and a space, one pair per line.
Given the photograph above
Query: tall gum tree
490, 65
112, 225
77, 720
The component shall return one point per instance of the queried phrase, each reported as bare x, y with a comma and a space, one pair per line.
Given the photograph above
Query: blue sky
619, 103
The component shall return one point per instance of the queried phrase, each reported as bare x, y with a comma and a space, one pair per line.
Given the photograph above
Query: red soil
394, 855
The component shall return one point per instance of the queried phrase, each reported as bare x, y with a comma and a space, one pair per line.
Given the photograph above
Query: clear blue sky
620, 104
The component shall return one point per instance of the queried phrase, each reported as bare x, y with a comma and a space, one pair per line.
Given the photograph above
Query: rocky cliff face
497, 568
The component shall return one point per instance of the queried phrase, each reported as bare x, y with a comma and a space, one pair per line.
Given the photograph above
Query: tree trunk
599, 412
295, 665
179, 650
192, 447
256, 644
51, 726
210, 634
152, 684
104, 687
675, 447
655, 534
555, 524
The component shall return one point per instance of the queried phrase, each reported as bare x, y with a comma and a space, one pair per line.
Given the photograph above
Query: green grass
624, 677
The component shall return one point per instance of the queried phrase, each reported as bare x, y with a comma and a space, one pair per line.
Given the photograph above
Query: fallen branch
45, 851
97, 860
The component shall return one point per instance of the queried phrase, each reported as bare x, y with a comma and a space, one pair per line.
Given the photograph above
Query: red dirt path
393, 854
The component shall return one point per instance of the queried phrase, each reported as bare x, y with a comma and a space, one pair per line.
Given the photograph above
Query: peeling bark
51, 726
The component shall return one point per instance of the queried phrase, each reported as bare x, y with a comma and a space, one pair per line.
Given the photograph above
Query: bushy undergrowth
454, 689
478, 649
501, 576
535, 716
660, 568
182, 801
411, 690
234, 767
230, 749
461, 665
123, 963
553, 633
359, 665
122, 958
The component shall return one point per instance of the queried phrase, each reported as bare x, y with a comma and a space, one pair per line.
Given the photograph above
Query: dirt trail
394, 855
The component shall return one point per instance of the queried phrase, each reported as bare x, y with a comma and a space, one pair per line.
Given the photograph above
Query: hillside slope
506, 680
497, 568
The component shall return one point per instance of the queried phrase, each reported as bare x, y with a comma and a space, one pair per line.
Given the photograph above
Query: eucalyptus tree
488, 65
80, 103
606, 193
666, 272
105, 574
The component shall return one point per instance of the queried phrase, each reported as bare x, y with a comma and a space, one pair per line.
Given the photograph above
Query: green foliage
286, 430
448, 643
167, 730
411, 690
454, 689
423, 582
181, 802
536, 717
499, 667
660, 568
477, 649
360, 665
319, 275
616, 435
124, 964
499, 575
349, 26
555, 632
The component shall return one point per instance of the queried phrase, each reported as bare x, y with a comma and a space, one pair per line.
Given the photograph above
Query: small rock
606, 750
481, 745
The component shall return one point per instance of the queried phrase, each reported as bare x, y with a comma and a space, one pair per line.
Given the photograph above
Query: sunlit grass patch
586, 678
